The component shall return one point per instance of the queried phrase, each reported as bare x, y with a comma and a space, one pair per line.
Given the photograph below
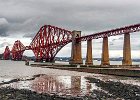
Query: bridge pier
105, 52
127, 50
76, 55
89, 53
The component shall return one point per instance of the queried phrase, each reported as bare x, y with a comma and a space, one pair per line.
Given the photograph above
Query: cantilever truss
48, 42
17, 50
6, 54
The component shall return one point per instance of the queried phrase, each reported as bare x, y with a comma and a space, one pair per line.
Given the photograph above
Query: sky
21, 20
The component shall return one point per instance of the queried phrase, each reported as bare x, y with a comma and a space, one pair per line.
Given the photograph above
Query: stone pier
105, 52
127, 50
89, 53
76, 55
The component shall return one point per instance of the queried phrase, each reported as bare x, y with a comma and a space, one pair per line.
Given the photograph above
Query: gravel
115, 90
16, 94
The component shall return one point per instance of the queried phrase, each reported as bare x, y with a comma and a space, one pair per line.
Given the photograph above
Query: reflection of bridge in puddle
62, 85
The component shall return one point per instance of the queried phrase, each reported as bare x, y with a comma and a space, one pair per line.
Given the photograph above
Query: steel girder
113, 32
17, 50
6, 54
48, 42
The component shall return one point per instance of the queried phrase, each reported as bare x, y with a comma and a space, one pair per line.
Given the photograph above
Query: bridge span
49, 40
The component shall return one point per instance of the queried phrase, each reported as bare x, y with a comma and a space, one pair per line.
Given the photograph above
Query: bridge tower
76, 55
6, 54
105, 52
89, 53
127, 50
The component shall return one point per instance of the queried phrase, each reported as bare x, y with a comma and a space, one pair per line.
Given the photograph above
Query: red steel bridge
49, 40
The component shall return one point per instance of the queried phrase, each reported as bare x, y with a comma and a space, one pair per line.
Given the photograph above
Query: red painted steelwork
113, 32
17, 50
6, 54
49, 41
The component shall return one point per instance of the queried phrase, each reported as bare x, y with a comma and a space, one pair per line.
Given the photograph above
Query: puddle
60, 85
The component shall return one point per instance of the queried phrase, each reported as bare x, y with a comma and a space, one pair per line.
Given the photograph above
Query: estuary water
17, 75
